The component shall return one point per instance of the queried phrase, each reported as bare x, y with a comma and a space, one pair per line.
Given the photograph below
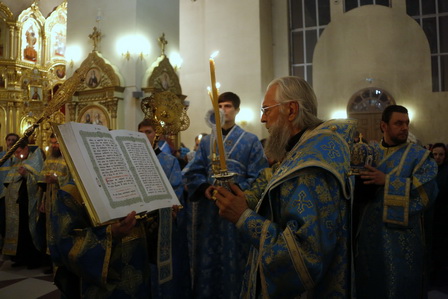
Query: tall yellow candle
222, 158
209, 91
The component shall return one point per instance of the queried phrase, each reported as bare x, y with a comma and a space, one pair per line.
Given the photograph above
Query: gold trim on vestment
107, 256
396, 201
403, 159
76, 249
297, 259
264, 232
421, 191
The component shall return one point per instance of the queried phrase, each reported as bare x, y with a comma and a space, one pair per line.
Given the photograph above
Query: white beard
277, 141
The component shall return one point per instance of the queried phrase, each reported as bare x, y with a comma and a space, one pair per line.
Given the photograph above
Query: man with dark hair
162, 144
387, 113
10, 139
218, 253
390, 245
230, 97
22, 198
295, 218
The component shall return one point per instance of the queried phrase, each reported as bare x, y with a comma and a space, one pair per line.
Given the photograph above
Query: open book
116, 172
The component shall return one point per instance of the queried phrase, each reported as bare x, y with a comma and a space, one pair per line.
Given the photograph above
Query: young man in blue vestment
295, 217
218, 251
390, 244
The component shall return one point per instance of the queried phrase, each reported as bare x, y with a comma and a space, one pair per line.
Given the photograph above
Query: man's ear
293, 110
383, 126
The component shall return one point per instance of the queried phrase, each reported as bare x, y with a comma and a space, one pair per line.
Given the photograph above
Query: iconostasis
96, 100
32, 67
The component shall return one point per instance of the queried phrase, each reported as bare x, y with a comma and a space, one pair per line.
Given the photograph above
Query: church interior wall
280, 38
118, 22
368, 46
242, 32
378, 46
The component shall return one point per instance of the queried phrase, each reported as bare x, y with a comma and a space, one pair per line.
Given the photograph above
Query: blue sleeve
197, 173
83, 249
257, 161
297, 251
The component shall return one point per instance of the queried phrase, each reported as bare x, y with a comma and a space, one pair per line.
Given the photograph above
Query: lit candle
222, 158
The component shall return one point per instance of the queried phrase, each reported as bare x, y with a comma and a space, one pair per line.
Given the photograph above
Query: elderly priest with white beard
296, 218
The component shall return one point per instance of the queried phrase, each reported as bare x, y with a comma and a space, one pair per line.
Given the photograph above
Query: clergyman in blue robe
390, 243
218, 253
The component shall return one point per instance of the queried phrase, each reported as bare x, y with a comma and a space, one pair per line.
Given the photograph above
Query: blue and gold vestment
390, 247
218, 251
33, 164
4, 169
107, 268
299, 228
177, 284
56, 167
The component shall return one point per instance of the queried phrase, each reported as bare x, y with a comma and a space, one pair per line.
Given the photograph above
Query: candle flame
21, 156
214, 54
209, 89
218, 85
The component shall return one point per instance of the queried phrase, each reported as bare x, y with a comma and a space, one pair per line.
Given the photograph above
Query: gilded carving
6, 13
163, 78
32, 61
101, 74
165, 102
98, 96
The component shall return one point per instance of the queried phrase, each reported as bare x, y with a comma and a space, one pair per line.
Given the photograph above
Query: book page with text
106, 177
146, 169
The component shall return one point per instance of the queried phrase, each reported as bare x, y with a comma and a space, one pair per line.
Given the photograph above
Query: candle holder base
224, 178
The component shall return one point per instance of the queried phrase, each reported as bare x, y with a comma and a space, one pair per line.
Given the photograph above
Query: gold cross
163, 42
95, 36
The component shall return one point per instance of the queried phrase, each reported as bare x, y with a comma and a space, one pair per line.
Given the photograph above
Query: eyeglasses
263, 109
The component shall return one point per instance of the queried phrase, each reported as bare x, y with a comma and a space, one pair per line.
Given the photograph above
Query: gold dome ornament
168, 111
361, 154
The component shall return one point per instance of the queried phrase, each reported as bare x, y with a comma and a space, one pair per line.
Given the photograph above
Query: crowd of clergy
290, 221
